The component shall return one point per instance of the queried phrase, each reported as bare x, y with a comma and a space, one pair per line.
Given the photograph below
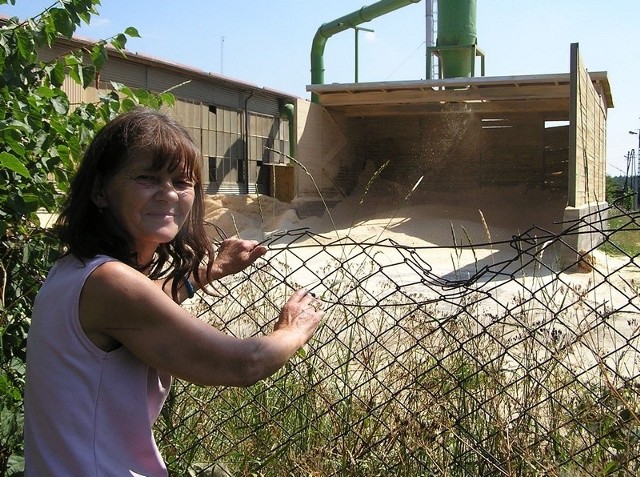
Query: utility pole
222, 55
635, 180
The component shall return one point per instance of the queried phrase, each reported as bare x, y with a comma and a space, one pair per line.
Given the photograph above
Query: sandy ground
433, 223
485, 220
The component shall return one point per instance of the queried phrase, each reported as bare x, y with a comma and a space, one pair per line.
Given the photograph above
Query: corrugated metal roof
185, 70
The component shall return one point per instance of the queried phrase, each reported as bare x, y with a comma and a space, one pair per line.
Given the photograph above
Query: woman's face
150, 205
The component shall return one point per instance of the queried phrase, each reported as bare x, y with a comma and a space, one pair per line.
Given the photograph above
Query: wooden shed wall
514, 151
455, 152
588, 145
556, 157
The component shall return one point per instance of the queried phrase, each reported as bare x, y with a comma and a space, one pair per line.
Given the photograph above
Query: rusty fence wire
522, 358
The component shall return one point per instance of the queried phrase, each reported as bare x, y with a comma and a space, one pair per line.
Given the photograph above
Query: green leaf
142, 95
88, 75
25, 43
31, 202
64, 153
610, 468
73, 59
118, 42
74, 69
60, 105
59, 126
99, 55
132, 32
13, 139
56, 73
63, 23
8, 389
3, 55
15, 465
168, 99
49, 30
74, 74
11, 162
128, 104
128, 92
45, 92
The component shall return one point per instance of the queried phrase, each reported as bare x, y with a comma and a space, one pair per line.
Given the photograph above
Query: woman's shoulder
113, 272
112, 298
118, 302
116, 284
71, 268
71, 261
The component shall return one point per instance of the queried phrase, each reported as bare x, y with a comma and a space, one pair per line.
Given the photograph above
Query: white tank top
87, 412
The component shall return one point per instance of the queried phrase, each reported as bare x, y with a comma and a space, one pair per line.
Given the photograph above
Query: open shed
469, 137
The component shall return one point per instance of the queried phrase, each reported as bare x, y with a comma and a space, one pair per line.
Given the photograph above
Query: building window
213, 169
268, 139
229, 148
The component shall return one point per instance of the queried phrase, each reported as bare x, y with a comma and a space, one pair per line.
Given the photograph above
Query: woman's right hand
302, 314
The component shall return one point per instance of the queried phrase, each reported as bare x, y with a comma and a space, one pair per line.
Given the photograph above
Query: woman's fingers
302, 313
307, 298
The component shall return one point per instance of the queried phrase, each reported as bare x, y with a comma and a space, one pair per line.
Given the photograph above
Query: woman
107, 332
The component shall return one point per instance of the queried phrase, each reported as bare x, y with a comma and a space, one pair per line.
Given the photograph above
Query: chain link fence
514, 361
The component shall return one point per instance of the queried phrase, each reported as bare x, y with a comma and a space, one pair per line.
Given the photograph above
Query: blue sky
269, 43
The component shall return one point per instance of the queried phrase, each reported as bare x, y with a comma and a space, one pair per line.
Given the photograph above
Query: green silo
457, 35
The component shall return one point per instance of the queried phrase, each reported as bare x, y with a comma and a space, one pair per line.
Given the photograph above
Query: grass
625, 236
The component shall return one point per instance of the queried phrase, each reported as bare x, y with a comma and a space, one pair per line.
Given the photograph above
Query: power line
405, 60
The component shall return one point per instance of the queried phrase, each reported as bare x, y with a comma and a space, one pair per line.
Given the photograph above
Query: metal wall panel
233, 188
228, 188
226, 98
131, 74
189, 114
264, 105
194, 89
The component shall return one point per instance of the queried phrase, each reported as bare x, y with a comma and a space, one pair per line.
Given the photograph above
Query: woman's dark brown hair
88, 231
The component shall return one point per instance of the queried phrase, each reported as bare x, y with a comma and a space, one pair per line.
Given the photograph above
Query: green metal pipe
327, 30
457, 31
288, 110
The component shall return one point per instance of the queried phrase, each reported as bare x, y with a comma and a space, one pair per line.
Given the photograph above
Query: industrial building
241, 129
472, 137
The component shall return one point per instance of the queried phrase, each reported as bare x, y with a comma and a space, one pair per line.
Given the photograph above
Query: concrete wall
323, 152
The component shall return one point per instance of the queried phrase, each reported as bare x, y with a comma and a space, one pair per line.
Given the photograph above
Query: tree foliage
42, 138
619, 191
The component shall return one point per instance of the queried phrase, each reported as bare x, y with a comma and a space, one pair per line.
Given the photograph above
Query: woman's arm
233, 256
120, 305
